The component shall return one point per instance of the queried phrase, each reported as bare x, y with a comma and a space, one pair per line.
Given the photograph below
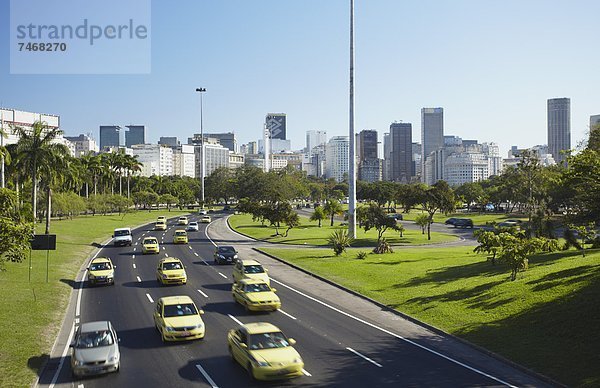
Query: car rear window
122, 233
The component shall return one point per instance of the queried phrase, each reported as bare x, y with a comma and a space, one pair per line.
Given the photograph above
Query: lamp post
201, 91
352, 150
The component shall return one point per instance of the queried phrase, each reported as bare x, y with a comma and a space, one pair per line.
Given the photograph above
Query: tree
586, 233
422, 220
489, 243
340, 240
292, 220
219, 185
14, 231
169, 200
332, 208
318, 215
516, 250
471, 192
373, 216
438, 197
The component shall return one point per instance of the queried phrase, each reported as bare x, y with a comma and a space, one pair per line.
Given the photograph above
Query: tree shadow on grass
567, 276
479, 295
75, 284
443, 275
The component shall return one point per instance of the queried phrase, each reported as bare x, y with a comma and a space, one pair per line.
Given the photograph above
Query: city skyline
498, 71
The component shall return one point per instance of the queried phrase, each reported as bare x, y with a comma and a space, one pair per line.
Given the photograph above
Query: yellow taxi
264, 351
160, 225
101, 271
205, 219
180, 237
170, 270
183, 220
161, 218
178, 319
150, 245
255, 295
250, 269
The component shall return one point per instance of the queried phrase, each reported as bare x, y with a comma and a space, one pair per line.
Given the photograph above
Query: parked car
463, 223
101, 271
396, 216
225, 254
95, 349
450, 221
509, 224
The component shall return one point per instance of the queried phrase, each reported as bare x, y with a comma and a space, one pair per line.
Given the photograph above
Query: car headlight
221, 256
78, 363
235, 256
91, 276
114, 358
262, 363
297, 360
164, 276
169, 328
199, 326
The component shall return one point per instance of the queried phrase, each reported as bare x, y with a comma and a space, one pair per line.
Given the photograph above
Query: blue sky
490, 65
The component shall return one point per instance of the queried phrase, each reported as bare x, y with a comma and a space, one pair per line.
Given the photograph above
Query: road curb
412, 319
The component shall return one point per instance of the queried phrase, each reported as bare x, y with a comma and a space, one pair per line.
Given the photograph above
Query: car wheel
118, 368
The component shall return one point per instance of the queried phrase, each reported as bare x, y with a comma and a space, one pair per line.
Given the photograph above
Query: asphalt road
342, 346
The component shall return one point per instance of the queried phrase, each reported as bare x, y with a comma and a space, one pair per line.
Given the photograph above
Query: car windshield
182, 219
100, 267
261, 287
121, 233
180, 233
226, 250
160, 223
179, 310
193, 223
150, 241
268, 341
94, 339
253, 269
171, 266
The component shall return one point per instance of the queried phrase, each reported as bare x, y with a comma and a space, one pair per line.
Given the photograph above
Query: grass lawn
478, 218
547, 319
310, 234
31, 312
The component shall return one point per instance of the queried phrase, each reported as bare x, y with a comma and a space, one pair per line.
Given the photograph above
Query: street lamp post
201, 91
352, 150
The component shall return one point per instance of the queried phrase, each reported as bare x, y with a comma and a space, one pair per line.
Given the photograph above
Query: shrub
361, 255
383, 247
339, 241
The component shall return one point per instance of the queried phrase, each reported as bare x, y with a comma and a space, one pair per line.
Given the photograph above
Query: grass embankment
547, 319
31, 312
480, 219
309, 233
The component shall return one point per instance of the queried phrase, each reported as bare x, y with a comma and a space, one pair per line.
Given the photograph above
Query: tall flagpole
352, 150
2, 184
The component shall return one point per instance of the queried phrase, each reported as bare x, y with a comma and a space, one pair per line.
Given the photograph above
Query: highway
342, 343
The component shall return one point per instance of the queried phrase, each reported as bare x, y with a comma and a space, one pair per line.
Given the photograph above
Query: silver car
95, 349
192, 226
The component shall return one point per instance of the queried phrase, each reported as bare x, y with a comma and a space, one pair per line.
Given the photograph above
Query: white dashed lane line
365, 357
134, 265
289, 315
207, 377
306, 373
139, 280
149, 298
195, 254
133, 256
234, 319
219, 272
203, 294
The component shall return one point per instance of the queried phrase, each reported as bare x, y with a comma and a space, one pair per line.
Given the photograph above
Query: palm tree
4, 154
333, 207
56, 161
36, 149
132, 165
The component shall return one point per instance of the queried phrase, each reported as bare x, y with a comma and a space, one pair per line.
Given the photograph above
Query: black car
225, 254
463, 223
396, 216
451, 221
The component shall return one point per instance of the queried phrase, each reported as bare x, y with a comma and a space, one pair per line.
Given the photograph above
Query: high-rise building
275, 123
109, 136
135, 134
155, 159
432, 132
170, 141
227, 140
216, 156
315, 138
387, 157
184, 160
400, 152
594, 120
559, 127
84, 144
369, 165
337, 162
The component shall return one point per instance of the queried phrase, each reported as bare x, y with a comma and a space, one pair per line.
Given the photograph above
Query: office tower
432, 132
387, 164
155, 159
135, 134
594, 120
559, 127
170, 141
367, 144
369, 165
227, 140
275, 123
337, 154
109, 136
400, 152
315, 138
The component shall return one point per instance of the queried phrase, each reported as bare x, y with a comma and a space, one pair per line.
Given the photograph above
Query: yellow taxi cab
160, 225
178, 319
250, 269
255, 295
264, 351
205, 219
180, 237
183, 220
101, 271
170, 270
162, 218
150, 245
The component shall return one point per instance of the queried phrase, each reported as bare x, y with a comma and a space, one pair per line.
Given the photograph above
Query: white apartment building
216, 156
336, 152
460, 168
235, 160
184, 160
315, 138
155, 159
84, 144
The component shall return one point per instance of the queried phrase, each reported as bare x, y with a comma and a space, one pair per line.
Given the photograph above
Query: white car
206, 220
202, 212
192, 226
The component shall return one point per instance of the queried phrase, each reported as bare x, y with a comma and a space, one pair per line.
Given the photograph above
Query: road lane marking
235, 319
134, 249
164, 248
136, 245
166, 254
207, 377
149, 298
397, 335
195, 253
134, 265
365, 357
207, 236
190, 247
289, 315
206, 296
219, 272
306, 373
76, 321
133, 256
80, 386
138, 279
63, 356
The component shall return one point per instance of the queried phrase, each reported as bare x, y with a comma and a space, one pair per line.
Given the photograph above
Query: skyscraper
432, 132
227, 140
369, 165
135, 134
336, 153
276, 125
594, 120
400, 152
559, 127
109, 136
315, 138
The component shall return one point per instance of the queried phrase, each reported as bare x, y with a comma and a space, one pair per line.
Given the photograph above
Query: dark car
463, 223
225, 254
396, 216
317, 204
450, 221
